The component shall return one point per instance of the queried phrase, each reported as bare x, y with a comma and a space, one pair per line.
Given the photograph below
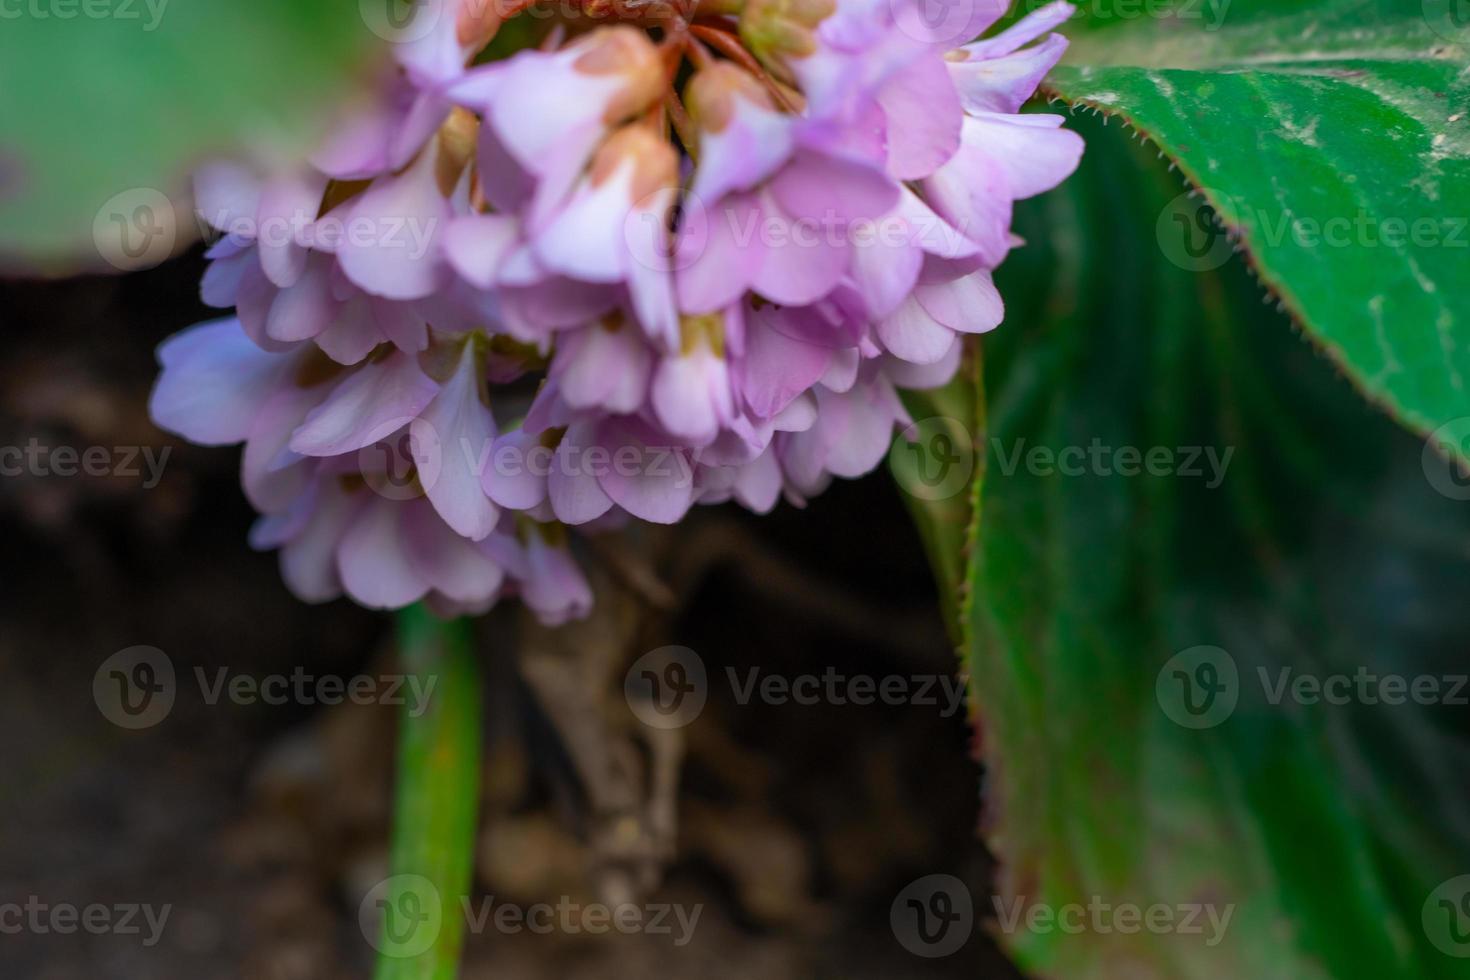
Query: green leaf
935, 462
110, 103
420, 915
1332, 835
1332, 137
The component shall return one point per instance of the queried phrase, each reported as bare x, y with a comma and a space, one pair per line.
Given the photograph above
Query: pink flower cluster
556, 290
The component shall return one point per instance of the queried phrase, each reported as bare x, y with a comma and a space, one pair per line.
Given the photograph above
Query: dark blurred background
263, 826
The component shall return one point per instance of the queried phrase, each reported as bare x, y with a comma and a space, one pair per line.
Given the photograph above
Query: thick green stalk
419, 914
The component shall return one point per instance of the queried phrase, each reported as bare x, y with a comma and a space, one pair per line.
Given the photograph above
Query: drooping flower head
681, 252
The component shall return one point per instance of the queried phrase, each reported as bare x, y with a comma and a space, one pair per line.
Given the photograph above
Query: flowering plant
556, 270
603, 279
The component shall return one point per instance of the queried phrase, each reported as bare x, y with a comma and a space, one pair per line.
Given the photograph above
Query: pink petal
652, 482
453, 566
923, 115
373, 558
451, 442
1003, 84
517, 474
911, 333
476, 244
309, 559
372, 403
306, 307
719, 254
830, 190
776, 366
389, 247
970, 304
271, 474
572, 486
213, 383
1028, 28
288, 206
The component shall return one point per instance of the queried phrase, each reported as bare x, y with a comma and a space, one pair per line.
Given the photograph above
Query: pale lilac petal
253, 301
758, 484
878, 414
214, 382
373, 558
353, 334
221, 283
719, 254
691, 394
227, 196
1004, 84
650, 481
777, 367
843, 372
885, 266
389, 248
452, 565
271, 474
923, 115
575, 494
1027, 29
650, 279
923, 377
369, 405
970, 304
911, 333
830, 190
401, 324
802, 262
554, 587
603, 367
426, 113
1033, 152
586, 238
306, 307
451, 443
288, 206
309, 560
755, 141
517, 475
476, 244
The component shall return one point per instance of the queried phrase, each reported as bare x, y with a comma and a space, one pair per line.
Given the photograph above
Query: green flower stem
434, 811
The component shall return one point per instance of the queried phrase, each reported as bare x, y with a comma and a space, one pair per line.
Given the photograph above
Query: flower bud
775, 29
